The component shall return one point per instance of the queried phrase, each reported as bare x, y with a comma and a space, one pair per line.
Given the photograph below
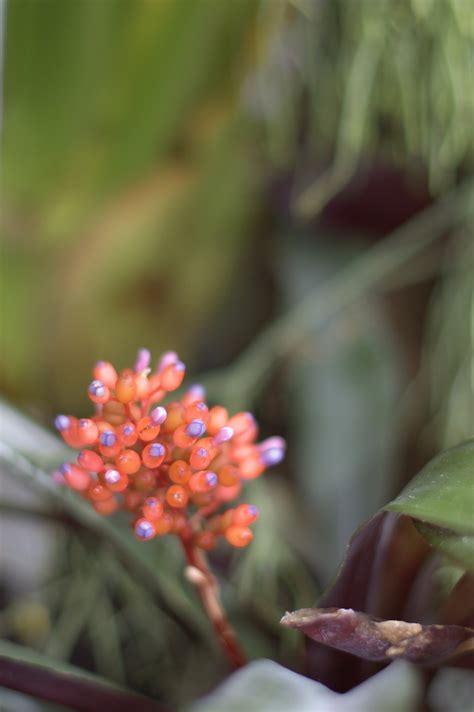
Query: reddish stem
204, 512
208, 589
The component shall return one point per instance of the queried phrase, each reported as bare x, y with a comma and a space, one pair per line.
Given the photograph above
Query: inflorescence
173, 467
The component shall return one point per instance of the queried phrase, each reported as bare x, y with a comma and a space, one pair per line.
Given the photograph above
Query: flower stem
200, 575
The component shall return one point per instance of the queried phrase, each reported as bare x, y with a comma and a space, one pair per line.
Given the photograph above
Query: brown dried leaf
382, 640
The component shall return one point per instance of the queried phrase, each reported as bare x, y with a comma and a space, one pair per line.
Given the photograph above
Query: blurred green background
219, 178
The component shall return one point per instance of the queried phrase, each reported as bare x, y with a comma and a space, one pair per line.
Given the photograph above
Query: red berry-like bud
153, 455
90, 460
239, 536
77, 478
127, 434
171, 377
105, 372
155, 391
144, 480
203, 481
217, 418
128, 462
106, 506
200, 457
244, 427
147, 429
183, 438
98, 392
114, 480
203, 499
176, 496
238, 453
179, 472
98, 493
174, 417
152, 508
126, 388
87, 431
228, 475
109, 444
70, 434
193, 395
142, 385
228, 494
163, 459
164, 524
196, 411
251, 468
245, 514
132, 500
114, 412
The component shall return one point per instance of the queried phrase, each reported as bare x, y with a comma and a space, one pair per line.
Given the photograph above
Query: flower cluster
174, 466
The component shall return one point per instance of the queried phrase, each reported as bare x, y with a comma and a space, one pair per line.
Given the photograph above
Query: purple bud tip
202, 452
195, 429
65, 468
96, 388
61, 423
84, 423
273, 442
112, 477
143, 360
157, 450
108, 439
167, 359
180, 366
152, 502
253, 510
98, 364
144, 530
272, 456
224, 435
158, 415
197, 391
211, 478
128, 429
58, 478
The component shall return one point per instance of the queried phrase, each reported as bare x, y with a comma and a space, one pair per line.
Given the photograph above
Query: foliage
264, 686
282, 191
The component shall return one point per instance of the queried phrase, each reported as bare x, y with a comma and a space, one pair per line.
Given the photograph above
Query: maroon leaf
382, 640
382, 560
459, 606
70, 687
384, 563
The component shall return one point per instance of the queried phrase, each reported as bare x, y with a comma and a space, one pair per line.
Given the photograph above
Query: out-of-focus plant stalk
240, 384
200, 575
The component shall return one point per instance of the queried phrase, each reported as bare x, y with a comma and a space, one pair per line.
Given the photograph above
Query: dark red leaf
382, 640
385, 559
74, 692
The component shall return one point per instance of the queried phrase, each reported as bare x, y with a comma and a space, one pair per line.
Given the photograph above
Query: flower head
173, 466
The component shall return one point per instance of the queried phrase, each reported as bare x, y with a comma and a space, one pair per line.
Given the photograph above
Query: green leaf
342, 388
458, 548
21, 464
443, 492
265, 686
